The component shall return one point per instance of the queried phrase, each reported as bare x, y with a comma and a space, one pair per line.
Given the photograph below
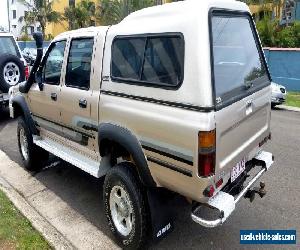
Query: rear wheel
125, 206
33, 156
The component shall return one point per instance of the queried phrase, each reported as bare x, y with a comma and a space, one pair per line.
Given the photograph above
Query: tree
80, 16
113, 11
40, 11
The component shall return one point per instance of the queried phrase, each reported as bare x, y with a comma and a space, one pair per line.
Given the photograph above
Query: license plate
238, 169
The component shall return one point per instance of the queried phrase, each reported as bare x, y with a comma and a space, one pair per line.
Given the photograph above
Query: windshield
238, 66
8, 46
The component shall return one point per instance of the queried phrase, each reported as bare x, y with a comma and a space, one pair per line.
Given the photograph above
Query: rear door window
8, 46
79, 63
239, 68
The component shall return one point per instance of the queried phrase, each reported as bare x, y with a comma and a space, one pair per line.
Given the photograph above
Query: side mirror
39, 80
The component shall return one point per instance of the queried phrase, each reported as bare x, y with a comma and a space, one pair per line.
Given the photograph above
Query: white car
13, 67
278, 94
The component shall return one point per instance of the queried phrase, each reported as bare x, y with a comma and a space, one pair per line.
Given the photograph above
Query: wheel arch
20, 108
114, 135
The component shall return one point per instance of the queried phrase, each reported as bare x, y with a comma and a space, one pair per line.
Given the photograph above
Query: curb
289, 108
50, 233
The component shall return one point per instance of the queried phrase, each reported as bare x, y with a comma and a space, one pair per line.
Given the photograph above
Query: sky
3, 14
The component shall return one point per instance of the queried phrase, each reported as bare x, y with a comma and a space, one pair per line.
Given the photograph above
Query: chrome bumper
225, 202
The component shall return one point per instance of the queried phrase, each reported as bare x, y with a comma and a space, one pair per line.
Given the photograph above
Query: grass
293, 99
16, 232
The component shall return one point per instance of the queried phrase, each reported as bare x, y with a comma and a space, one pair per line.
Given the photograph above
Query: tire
11, 71
124, 193
33, 156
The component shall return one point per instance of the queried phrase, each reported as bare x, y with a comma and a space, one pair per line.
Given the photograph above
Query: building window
72, 3
14, 13
38, 29
12, 1
30, 30
14, 26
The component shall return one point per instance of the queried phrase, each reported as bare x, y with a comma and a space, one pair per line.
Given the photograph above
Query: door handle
54, 96
82, 103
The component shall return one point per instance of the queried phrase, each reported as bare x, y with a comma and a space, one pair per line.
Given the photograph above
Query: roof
184, 8
79, 32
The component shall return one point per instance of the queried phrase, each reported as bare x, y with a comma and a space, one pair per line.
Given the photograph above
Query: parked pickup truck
175, 97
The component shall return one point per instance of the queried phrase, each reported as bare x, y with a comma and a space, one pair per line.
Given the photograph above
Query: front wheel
32, 155
125, 206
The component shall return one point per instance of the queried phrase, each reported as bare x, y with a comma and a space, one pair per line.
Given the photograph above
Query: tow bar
223, 204
260, 191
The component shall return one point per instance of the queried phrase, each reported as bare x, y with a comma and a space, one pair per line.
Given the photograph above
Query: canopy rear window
239, 68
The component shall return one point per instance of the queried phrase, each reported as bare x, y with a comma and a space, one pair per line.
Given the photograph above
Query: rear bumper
225, 203
278, 98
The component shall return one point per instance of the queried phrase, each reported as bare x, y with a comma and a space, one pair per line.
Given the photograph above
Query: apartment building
17, 26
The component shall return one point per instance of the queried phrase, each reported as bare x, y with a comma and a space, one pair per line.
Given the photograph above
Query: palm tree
40, 11
113, 11
80, 16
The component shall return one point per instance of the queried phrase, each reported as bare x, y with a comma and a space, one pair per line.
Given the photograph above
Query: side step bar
224, 202
78, 160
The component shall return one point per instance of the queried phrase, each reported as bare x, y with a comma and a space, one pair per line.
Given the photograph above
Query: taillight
206, 153
26, 72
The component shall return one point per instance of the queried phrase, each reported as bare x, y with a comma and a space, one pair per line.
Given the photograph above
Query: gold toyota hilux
174, 97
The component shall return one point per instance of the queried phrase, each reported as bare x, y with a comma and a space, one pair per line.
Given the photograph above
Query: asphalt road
280, 209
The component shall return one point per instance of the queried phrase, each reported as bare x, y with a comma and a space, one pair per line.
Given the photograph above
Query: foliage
80, 16
272, 34
48, 37
16, 232
25, 37
293, 99
40, 11
113, 11
267, 29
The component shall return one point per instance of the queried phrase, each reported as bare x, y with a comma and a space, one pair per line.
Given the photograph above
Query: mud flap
161, 216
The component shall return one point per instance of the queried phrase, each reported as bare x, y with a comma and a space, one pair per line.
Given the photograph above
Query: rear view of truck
241, 83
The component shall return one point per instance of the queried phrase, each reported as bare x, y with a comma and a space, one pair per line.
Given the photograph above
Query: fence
284, 65
31, 44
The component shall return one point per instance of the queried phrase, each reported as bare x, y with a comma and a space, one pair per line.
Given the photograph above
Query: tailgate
242, 88
240, 128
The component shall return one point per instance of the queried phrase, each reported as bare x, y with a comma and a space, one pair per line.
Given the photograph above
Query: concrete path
55, 218
289, 108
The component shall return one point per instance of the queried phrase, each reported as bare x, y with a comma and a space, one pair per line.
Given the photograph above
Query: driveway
72, 200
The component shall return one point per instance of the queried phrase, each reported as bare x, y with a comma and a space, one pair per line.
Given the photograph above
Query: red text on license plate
238, 169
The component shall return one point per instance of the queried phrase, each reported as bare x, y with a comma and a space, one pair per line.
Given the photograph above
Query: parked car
13, 67
29, 55
278, 94
157, 102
